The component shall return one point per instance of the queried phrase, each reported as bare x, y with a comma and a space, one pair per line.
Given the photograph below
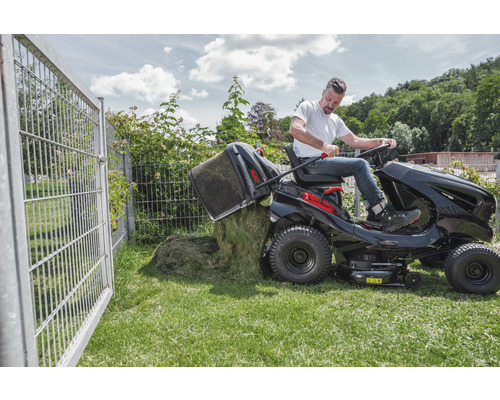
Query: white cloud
187, 120
261, 61
167, 50
194, 94
151, 84
348, 100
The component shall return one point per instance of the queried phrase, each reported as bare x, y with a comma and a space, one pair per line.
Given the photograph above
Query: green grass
157, 319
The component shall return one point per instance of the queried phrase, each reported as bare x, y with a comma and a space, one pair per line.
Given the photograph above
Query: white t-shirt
326, 127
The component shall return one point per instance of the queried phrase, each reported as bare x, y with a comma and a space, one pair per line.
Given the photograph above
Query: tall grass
157, 319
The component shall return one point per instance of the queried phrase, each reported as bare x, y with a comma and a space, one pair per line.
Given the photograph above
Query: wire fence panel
165, 203
65, 202
119, 165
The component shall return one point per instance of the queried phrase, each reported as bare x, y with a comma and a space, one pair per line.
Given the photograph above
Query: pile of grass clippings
188, 256
234, 252
241, 237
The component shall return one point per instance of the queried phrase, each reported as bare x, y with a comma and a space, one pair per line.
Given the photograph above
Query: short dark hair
338, 85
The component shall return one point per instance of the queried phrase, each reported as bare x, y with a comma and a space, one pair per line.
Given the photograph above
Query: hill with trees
457, 111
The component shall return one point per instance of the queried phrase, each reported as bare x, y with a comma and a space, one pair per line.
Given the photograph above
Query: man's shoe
392, 219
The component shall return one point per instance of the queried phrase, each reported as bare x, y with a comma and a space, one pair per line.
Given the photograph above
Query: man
314, 127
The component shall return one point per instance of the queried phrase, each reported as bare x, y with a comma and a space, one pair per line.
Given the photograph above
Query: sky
143, 70
139, 53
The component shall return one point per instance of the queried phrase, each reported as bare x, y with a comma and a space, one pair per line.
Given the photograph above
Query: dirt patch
233, 252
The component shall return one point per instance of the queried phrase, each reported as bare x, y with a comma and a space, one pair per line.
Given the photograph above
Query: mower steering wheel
374, 150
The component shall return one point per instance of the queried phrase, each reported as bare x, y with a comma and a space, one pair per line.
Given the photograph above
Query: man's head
332, 95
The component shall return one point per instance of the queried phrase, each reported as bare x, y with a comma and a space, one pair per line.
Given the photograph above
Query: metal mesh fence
165, 202
119, 165
64, 202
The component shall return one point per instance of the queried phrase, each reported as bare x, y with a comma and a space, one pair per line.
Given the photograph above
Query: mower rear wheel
473, 268
300, 254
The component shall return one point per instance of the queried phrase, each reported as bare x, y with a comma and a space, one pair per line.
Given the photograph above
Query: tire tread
453, 258
314, 234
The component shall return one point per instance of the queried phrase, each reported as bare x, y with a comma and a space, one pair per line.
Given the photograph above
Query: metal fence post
103, 205
129, 213
357, 195
17, 332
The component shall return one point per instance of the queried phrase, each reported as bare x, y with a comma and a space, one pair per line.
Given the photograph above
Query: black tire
300, 254
473, 268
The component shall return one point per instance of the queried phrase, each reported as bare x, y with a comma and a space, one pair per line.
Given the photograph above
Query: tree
421, 140
376, 125
230, 130
262, 118
233, 125
355, 126
461, 106
160, 133
284, 124
455, 144
402, 133
413, 110
362, 108
461, 133
444, 111
487, 111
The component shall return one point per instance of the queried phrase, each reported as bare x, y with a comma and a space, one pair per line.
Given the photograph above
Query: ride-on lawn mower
309, 224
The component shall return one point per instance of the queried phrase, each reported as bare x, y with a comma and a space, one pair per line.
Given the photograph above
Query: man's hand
331, 150
366, 143
392, 143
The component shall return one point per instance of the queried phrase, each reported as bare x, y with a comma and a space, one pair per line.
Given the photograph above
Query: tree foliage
458, 110
263, 119
232, 126
160, 147
488, 110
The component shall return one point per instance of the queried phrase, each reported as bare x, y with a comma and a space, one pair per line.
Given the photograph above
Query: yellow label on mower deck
374, 280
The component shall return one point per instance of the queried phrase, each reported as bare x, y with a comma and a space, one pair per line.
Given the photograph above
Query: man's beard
328, 110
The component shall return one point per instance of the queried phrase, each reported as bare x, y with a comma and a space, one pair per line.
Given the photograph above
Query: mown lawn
157, 319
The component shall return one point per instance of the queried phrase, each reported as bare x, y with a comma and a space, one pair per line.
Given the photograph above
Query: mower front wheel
300, 254
473, 268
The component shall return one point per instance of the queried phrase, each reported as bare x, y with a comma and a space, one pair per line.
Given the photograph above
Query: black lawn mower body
310, 224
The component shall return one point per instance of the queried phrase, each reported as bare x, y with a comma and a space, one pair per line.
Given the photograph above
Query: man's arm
366, 143
299, 132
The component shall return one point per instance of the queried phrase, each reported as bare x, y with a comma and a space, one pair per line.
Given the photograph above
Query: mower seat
310, 180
